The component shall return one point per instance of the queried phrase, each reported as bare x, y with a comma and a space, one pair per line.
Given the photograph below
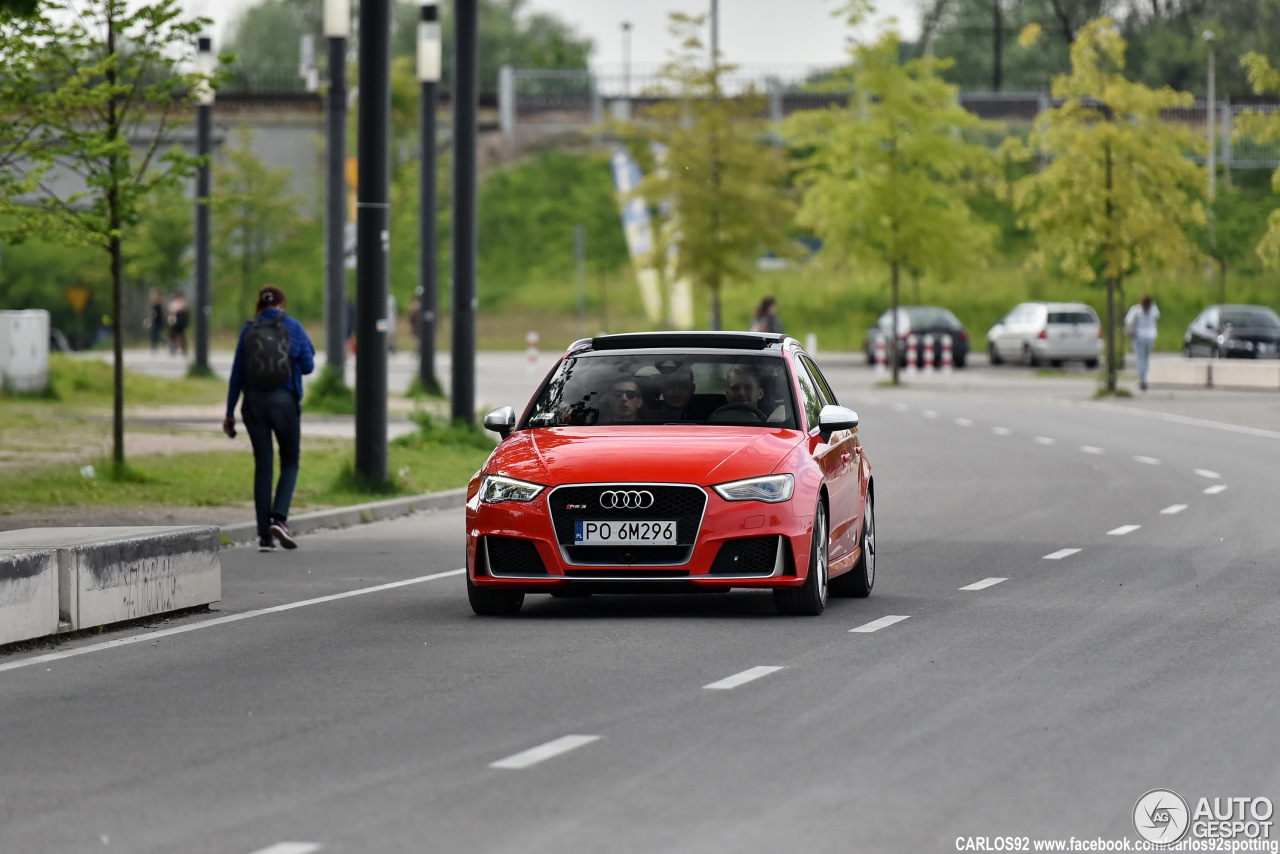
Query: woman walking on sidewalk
272, 355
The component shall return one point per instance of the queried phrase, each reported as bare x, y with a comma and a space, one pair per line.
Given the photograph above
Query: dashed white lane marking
543, 752
1211, 475
742, 678
983, 584
1150, 461
1045, 440
964, 422
929, 413
877, 625
901, 407
1122, 530
1091, 449
290, 848
221, 621
1060, 554
1173, 508
1001, 431
1215, 489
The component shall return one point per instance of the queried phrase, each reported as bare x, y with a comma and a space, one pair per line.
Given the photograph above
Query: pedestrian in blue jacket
271, 356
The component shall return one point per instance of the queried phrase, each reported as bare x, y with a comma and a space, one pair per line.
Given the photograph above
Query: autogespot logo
1161, 816
626, 499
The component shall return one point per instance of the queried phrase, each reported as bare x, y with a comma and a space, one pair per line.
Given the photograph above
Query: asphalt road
344, 699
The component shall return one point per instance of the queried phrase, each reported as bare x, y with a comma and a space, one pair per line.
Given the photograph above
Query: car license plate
621, 532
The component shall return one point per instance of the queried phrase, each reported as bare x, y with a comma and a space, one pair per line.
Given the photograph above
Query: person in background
1140, 327
179, 317
155, 319
271, 411
766, 317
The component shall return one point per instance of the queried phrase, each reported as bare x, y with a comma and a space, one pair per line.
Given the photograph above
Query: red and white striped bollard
946, 354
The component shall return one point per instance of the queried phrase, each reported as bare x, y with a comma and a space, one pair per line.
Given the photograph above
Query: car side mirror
501, 421
833, 418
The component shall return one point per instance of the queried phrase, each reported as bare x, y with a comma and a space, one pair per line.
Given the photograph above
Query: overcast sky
752, 32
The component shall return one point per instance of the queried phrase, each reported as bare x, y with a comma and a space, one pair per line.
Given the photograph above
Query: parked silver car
1037, 333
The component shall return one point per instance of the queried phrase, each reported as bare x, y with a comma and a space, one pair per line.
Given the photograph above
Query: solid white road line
1045, 440
1122, 530
1198, 422
1060, 554
964, 422
984, 584
1212, 475
1091, 449
1215, 489
1001, 431
543, 752
929, 413
742, 678
221, 621
1173, 508
290, 848
877, 625
1151, 461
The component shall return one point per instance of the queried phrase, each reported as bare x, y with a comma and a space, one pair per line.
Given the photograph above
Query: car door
1008, 339
840, 460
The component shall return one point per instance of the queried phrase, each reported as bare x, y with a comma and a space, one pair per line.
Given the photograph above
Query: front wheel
1091, 363
858, 581
810, 599
493, 601
993, 355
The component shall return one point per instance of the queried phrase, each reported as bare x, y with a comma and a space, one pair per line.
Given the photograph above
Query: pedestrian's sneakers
266, 544
282, 533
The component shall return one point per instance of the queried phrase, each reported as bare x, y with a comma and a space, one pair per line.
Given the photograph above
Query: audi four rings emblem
628, 499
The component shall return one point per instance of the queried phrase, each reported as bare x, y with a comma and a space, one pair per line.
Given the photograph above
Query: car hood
1250, 333
676, 454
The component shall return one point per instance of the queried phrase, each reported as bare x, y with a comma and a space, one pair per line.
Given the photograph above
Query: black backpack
268, 365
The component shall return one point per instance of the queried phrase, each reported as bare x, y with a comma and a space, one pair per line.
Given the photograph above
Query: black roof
683, 341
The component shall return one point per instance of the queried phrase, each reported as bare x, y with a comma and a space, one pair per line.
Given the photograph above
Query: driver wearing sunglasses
622, 403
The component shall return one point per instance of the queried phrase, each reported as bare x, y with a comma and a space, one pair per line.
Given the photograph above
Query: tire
1055, 363
858, 581
960, 360
1091, 363
1028, 357
810, 599
994, 355
1186, 352
493, 602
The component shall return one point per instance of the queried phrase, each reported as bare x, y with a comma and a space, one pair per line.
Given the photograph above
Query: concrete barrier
28, 594
1189, 372
107, 575
1246, 374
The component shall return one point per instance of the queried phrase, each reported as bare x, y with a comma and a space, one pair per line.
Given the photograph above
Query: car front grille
747, 556
683, 504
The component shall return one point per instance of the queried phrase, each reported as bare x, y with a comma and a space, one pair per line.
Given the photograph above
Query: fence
536, 103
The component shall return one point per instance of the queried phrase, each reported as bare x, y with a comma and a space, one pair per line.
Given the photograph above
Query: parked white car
1037, 333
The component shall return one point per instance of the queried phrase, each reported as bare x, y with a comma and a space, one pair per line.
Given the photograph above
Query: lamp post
626, 68
429, 52
337, 28
466, 106
1213, 120
206, 64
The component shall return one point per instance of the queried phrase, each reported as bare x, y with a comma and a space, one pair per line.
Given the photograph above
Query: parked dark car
920, 320
1234, 332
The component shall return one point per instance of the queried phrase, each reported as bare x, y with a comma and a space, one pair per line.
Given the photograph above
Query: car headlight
770, 489
495, 489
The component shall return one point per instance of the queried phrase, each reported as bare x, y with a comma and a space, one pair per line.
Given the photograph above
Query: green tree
722, 182
1118, 193
161, 255
91, 91
1264, 127
255, 221
18, 7
887, 180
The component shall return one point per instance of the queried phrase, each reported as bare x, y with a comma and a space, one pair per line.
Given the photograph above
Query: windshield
1254, 318
666, 388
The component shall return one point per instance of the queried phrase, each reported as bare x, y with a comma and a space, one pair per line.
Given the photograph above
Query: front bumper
734, 544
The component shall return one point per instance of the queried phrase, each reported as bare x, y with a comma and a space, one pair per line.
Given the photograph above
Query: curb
357, 514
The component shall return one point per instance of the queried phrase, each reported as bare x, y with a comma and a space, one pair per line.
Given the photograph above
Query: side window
824, 388
810, 398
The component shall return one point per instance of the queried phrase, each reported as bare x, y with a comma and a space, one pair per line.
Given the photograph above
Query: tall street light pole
337, 27
429, 52
373, 240
626, 69
1212, 160
206, 64
466, 107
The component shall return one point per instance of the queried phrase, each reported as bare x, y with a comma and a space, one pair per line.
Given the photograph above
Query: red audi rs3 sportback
674, 462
